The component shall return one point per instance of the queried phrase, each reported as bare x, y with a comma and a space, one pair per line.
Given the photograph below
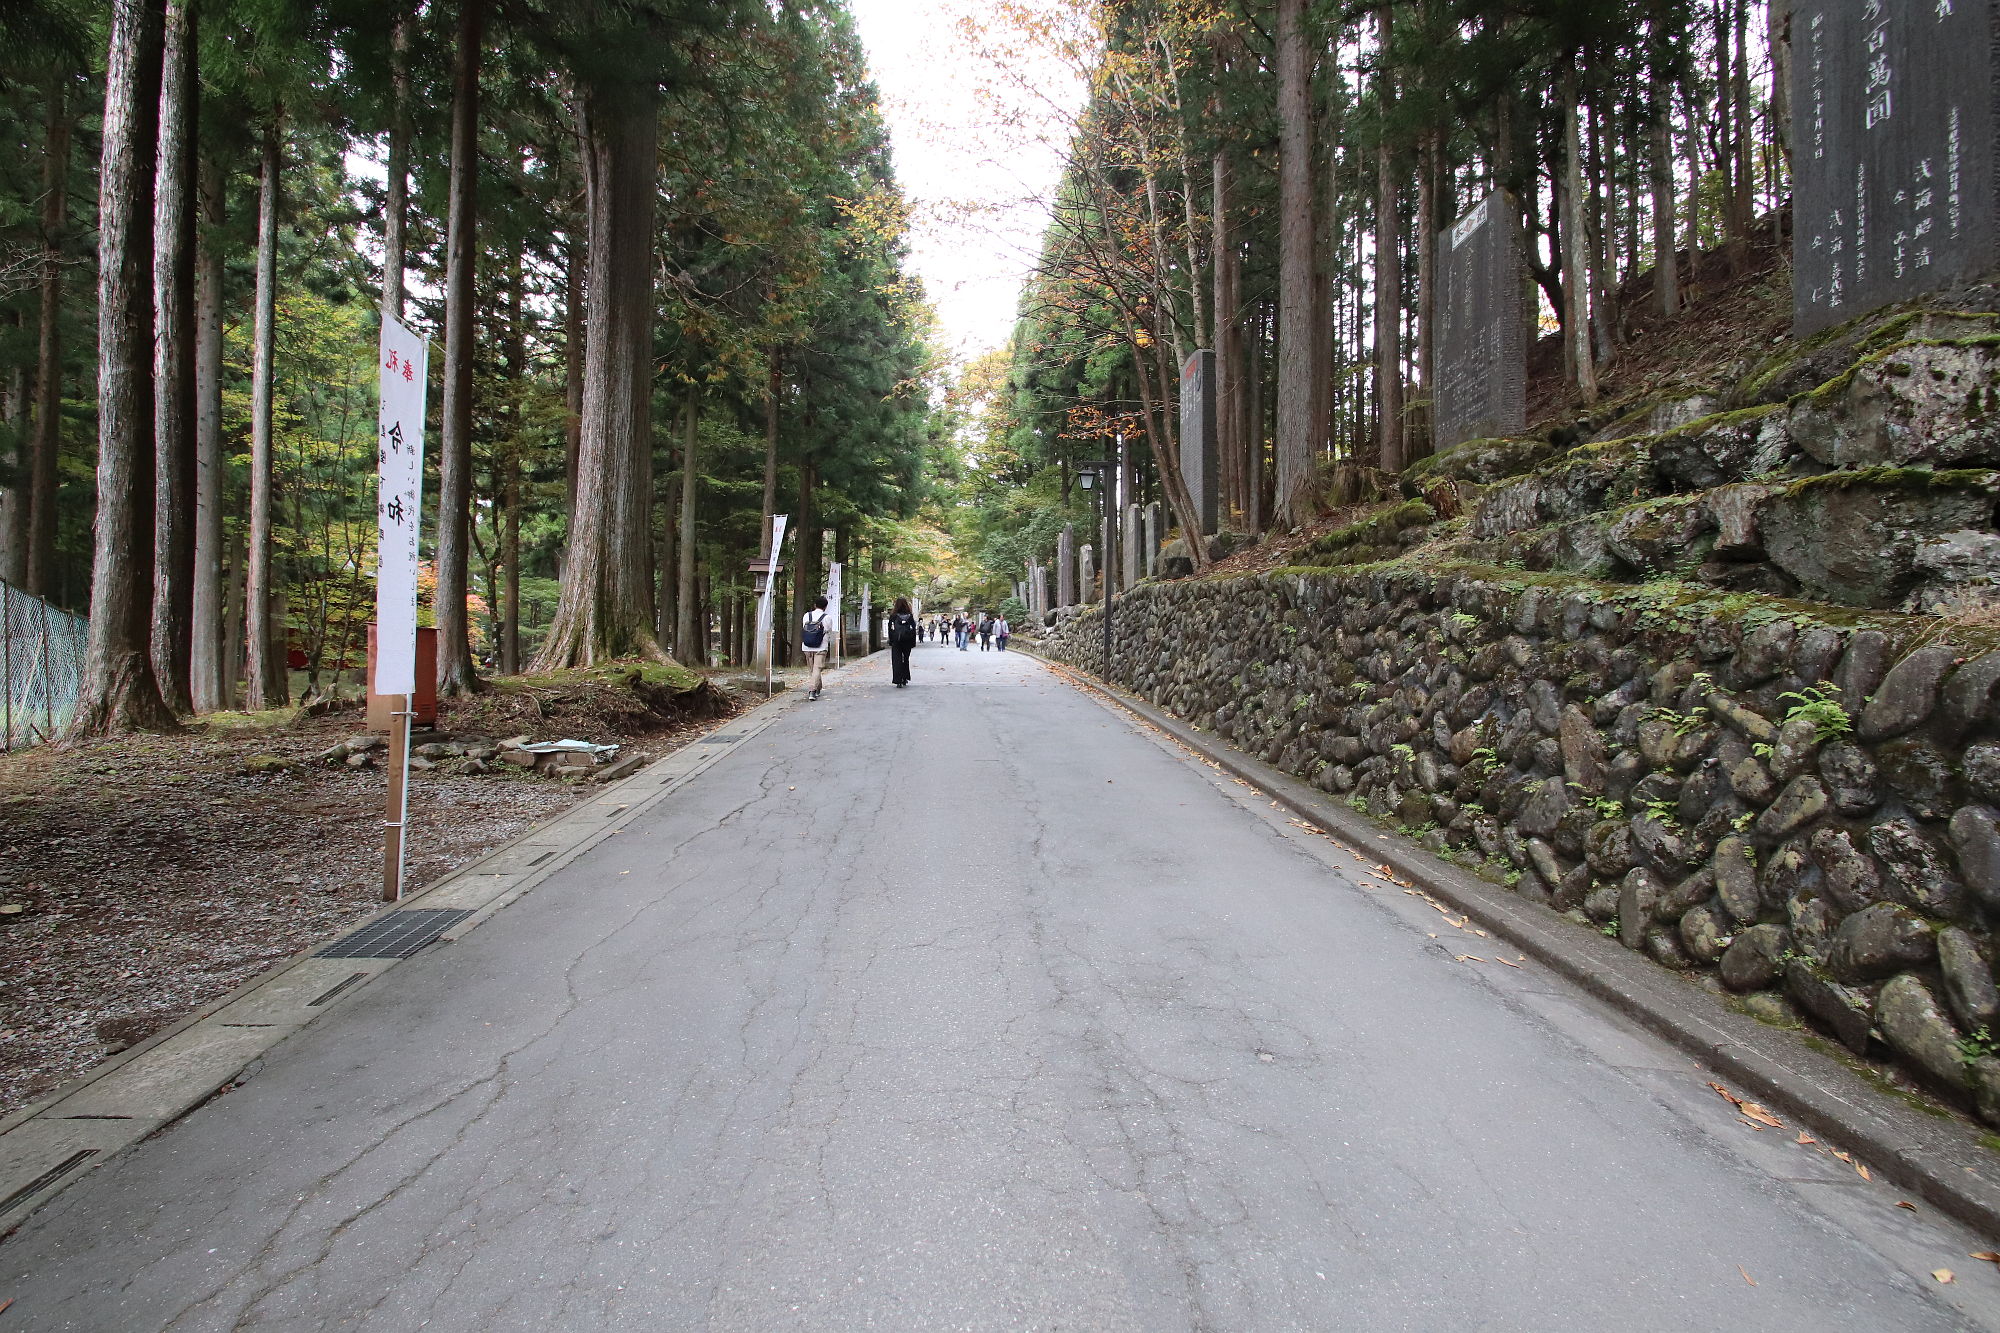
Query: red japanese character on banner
390, 364
409, 372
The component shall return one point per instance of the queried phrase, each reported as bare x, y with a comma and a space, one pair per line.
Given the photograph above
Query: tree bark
772, 385
574, 261
509, 647
173, 361
1575, 248
208, 680
455, 672
1228, 334
1388, 290
268, 685
1427, 280
685, 647
606, 607
805, 563
396, 198
1660, 177
118, 692
45, 450
1295, 267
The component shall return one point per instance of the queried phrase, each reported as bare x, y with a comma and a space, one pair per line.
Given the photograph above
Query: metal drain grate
717, 740
397, 935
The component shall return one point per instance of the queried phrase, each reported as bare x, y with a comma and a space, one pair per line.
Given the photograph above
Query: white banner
400, 460
839, 643
867, 620
764, 599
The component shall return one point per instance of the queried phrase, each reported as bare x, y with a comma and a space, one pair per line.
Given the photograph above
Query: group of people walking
961, 628
906, 631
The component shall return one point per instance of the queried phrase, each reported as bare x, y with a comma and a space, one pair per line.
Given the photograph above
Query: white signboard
833, 608
867, 619
764, 602
400, 459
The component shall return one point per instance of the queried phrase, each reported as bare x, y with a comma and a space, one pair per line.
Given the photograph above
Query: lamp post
1101, 475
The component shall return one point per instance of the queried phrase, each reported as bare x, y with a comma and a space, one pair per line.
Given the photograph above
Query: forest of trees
1265, 177
657, 246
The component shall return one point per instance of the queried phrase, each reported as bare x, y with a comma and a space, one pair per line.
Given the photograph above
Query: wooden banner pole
397, 815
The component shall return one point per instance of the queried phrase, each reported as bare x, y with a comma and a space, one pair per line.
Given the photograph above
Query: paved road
976, 1006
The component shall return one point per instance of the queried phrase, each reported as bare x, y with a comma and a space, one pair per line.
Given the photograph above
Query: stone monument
1066, 566
1087, 573
1153, 540
1200, 463
1893, 132
1482, 362
1128, 569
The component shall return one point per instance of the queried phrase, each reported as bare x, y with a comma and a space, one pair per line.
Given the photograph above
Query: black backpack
903, 629
814, 635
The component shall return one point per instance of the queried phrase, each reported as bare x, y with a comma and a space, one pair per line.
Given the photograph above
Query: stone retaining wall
1652, 762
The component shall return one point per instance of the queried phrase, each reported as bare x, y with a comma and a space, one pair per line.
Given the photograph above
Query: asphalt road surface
977, 1005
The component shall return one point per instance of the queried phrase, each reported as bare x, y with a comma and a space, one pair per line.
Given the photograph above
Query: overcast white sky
978, 160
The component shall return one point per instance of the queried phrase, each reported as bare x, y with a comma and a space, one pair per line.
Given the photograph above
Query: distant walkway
974, 1006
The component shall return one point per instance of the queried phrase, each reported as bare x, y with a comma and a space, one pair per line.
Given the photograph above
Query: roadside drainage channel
1940, 1160
49, 1145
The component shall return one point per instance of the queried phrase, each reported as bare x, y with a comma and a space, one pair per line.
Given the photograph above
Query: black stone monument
1200, 461
1893, 128
1482, 363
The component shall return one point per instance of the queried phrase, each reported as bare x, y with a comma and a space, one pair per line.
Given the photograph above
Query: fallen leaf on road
1843, 1157
1905, 1203
1746, 1275
1806, 1138
1943, 1275
1863, 1170
1468, 957
1507, 961
1988, 1255
1760, 1115
1752, 1124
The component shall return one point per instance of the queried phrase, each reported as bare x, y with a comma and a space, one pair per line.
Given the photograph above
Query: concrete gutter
51, 1144
1940, 1159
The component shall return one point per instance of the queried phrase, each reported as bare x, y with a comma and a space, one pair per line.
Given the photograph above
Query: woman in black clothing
902, 638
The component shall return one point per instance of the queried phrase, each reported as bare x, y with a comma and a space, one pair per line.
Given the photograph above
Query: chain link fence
41, 666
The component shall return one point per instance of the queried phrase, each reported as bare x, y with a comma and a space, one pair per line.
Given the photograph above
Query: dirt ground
157, 873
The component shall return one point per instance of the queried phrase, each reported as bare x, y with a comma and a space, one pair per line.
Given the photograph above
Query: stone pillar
1041, 593
1066, 566
1153, 540
1087, 574
1200, 461
1129, 569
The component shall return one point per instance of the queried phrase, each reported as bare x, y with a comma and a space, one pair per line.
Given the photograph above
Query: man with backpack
813, 638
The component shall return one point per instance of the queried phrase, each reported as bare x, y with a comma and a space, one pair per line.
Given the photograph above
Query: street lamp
1089, 472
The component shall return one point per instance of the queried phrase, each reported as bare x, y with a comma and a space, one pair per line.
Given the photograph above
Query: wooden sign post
400, 477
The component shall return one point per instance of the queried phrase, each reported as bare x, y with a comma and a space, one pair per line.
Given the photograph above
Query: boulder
1735, 509
1850, 778
1916, 872
1847, 874
1796, 749
1703, 936
1736, 880
1975, 837
1752, 960
1852, 537
1861, 668
1655, 536
1967, 697
1879, 941
1915, 1026
1908, 694
1548, 801
1968, 978
1637, 896
1844, 1010
1802, 801
1920, 774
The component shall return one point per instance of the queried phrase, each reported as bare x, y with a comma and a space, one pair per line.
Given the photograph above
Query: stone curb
1942, 1161
143, 1089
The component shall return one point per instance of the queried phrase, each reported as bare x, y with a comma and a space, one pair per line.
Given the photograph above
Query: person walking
902, 638
1000, 632
813, 638
985, 633
959, 627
